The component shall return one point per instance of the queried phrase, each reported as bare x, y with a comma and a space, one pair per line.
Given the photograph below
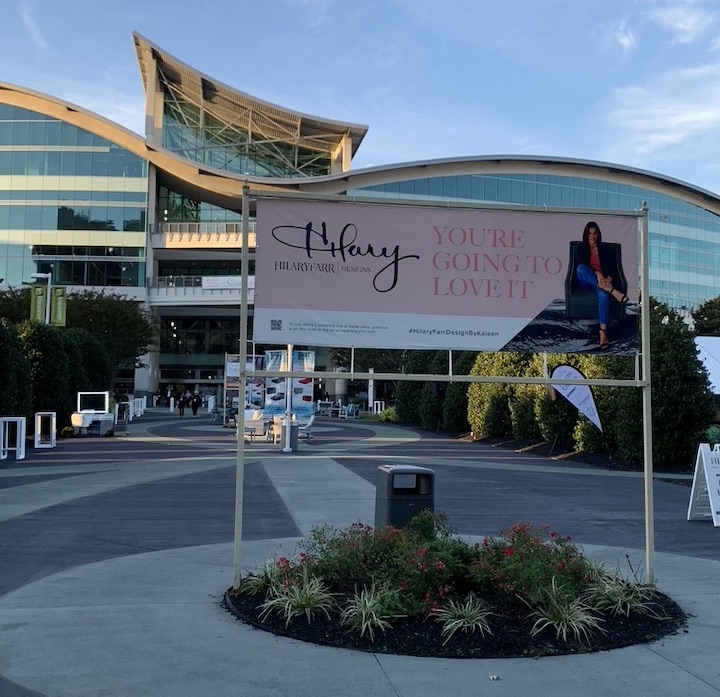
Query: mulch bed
510, 636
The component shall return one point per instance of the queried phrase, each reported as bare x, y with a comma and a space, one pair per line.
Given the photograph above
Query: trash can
294, 432
401, 493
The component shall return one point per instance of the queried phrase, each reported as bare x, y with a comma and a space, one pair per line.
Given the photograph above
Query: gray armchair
581, 303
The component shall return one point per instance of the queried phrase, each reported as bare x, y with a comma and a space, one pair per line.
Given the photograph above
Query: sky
632, 82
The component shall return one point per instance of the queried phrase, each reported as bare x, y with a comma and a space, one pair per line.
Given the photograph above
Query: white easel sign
705, 494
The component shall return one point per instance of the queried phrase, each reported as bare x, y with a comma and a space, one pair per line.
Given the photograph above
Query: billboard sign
388, 276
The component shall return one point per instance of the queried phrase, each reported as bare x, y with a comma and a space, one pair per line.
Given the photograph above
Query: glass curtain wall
46, 170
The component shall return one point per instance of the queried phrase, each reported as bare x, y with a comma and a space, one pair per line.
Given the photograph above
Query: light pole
48, 278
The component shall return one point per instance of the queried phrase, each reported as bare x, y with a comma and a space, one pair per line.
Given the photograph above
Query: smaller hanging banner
580, 396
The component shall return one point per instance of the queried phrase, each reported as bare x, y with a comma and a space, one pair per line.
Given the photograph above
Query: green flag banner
58, 306
38, 294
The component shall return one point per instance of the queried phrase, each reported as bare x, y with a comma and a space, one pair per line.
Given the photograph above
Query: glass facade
684, 239
198, 336
76, 205
56, 177
173, 207
197, 135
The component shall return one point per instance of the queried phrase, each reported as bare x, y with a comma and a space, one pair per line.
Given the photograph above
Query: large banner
387, 276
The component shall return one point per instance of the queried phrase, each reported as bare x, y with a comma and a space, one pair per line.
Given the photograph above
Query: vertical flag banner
254, 386
302, 388
275, 388
58, 306
580, 396
232, 371
38, 295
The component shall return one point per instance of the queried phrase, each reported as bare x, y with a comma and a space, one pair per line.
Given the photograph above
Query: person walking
195, 403
180, 398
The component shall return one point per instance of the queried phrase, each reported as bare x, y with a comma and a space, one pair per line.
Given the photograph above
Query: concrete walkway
115, 554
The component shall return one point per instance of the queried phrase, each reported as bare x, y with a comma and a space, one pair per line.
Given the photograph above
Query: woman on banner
589, 274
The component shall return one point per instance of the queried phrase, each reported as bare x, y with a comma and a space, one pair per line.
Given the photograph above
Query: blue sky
636, 82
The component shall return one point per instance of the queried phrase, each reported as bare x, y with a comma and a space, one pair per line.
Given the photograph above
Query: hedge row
682, 402
44, 368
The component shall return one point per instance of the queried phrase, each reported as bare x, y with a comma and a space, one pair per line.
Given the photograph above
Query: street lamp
48, 278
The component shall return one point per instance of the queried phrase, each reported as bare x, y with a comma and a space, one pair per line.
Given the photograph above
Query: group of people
188, 399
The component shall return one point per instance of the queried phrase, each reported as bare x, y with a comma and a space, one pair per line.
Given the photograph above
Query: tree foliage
122, 326
15, 304
408, 394
707, 318
488, 402
15, 398
49, 373
682, 403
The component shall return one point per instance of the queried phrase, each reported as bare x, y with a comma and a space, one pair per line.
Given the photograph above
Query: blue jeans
587, 279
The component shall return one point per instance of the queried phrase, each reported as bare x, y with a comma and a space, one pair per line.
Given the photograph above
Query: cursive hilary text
343, 246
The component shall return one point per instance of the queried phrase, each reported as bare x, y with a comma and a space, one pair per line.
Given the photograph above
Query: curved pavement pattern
115, 553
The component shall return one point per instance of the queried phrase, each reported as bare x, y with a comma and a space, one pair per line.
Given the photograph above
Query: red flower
508, 552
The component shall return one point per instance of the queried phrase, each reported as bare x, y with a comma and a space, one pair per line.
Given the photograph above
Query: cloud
31, 25
624, 37
687, 20
677, 115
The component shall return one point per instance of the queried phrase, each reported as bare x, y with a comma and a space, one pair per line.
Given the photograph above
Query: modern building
158, 217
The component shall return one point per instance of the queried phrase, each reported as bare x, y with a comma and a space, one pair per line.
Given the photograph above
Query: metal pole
240, 417
47, 297
646, 401
287, 446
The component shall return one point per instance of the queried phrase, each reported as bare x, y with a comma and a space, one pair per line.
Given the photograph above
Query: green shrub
388, 415
455, 405
525, 559
522, 413
371, 578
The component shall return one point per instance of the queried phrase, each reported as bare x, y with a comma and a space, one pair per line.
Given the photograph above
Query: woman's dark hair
592, 224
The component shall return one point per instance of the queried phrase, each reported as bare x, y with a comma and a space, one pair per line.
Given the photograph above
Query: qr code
275, 325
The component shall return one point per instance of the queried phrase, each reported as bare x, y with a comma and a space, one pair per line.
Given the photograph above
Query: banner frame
643, 381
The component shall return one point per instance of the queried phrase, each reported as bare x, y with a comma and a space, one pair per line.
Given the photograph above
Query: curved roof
225, 189
507, 164
231, 105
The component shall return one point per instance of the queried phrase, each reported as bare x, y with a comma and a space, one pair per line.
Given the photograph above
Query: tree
489, 402
124, 327
15, 304
707, 318
682, 402
408, 394
15, 398
49, 375
94, 359
454, 408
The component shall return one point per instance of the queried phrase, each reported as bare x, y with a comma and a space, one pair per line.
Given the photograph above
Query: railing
211, 234
181, 290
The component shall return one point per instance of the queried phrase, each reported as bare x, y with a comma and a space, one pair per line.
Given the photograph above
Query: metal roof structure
261, 120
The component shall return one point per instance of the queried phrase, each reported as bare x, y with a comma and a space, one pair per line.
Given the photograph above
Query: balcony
198, 290
199, 236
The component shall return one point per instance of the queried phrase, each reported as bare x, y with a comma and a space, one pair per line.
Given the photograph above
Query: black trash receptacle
403, 491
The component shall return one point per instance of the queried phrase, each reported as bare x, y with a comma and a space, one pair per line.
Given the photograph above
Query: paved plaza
115, 553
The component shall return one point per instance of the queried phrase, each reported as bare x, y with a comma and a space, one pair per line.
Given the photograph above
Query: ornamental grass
371, 579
